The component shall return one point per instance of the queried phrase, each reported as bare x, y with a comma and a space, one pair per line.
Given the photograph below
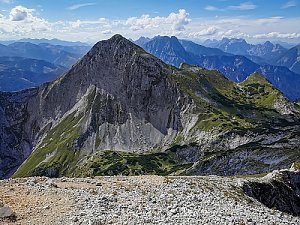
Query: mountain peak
114, 45
117, 37
142, 41
257, 78
268, 44
167, 48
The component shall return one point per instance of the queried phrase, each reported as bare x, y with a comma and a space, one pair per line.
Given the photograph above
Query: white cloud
212, 8
178, 21
6, 1
242, 7
204, 32
20, 13
254, 30
278, 35
107, 32
289, 4
87, 23
22, 23
27, 23
269, 20
78, 6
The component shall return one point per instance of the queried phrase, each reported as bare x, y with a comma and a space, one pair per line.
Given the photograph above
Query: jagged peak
171, 39
117, 38
115, 45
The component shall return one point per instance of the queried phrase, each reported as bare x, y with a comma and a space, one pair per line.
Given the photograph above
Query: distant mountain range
291, 59
24, 64
60, 55
235, 67
47, 41
20, 73
267, 52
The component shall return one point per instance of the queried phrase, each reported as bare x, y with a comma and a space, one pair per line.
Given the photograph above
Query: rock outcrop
6, 213
279, 190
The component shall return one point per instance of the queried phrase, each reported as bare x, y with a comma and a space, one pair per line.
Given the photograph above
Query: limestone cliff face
129, 102
120, 98
15, 140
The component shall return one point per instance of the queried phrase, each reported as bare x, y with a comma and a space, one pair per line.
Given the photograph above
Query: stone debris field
133, 200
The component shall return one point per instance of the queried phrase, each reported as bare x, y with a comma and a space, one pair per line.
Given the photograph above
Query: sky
198, 20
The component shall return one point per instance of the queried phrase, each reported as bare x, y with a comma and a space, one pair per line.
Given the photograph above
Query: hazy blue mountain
285, 44
49, 53
291, 59
47, 41
210, 43
142, 41
282, 78
236, 68
20, 73
234, 46
197, 49
169, 50
266, 52
24, 65
6, 51
78, 50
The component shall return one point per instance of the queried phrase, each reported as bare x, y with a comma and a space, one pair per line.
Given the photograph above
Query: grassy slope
57, 146
224, 105
112, 163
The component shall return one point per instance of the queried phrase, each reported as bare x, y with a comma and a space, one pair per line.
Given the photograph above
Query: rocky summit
122, 111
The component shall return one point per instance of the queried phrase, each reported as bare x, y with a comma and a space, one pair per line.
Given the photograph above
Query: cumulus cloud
78, 6
21, 22
178, 21
204, 32
278, 35
20, 13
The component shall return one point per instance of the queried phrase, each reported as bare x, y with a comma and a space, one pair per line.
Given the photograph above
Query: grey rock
279, 190
6, 212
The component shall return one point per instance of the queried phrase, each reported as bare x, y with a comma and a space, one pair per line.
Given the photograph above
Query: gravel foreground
135, 200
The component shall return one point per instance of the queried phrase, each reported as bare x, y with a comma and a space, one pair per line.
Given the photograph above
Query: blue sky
89, 20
